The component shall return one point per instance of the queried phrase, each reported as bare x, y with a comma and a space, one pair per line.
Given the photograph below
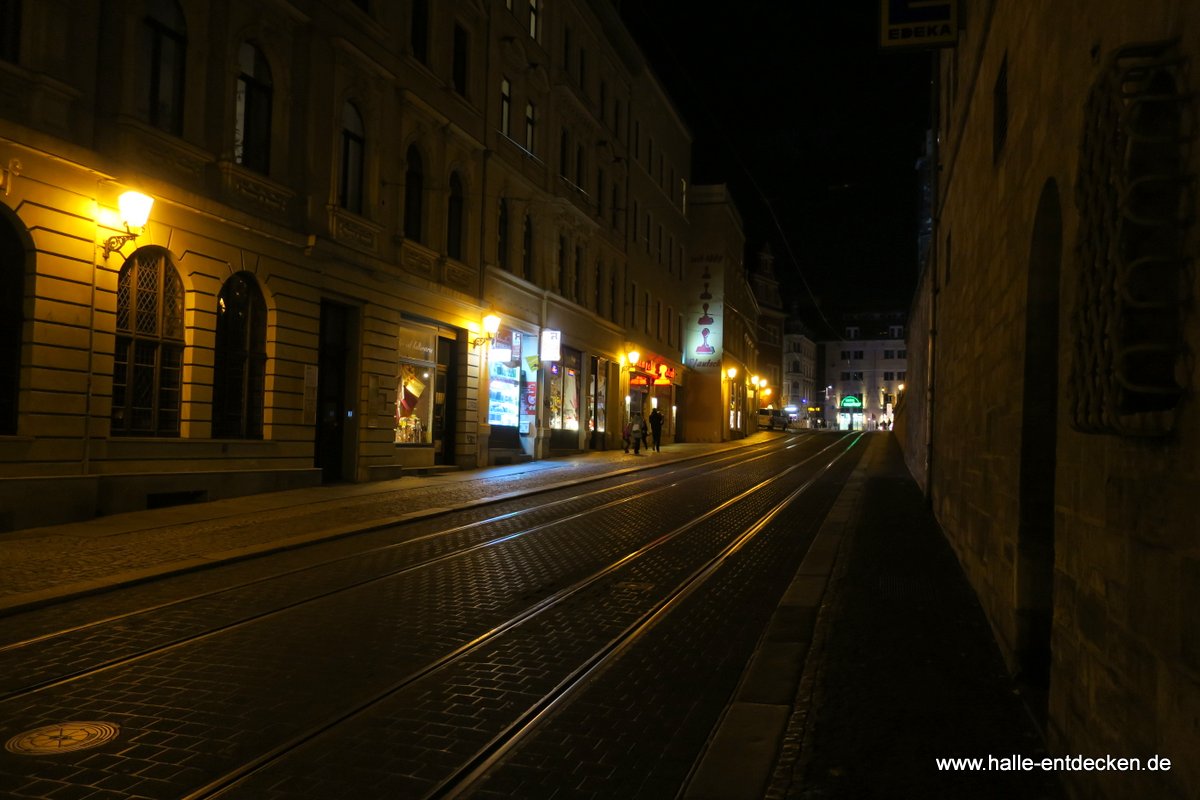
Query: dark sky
794, 105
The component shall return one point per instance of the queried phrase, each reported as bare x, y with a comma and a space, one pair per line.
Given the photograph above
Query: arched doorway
1035, 537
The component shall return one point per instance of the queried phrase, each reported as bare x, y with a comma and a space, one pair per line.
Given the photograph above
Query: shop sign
551, 345
918, 24
850, 401
416, 344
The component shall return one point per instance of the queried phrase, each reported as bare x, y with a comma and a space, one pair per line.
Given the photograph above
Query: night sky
816, 131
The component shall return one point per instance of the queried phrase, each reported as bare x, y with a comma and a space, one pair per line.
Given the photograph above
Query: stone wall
1084, 548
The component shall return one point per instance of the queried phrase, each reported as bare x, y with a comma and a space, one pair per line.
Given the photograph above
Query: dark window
10, 30
579, 166
578, 288
414, 193
454, 219
527, 249
562, 266
502, 245
148, 357
164, 51
1000, 110
12, 319
505, 107
598, 287
252, 131
533, 18
461, 48
530, 120
420, 30
564, 147
350, 194
240, 360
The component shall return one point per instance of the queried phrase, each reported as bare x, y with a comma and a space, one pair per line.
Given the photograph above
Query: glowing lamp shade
633, 356
731, 372
491, 324
135, 208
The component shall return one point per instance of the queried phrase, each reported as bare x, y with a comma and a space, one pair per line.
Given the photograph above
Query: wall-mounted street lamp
632, 357
731, 372
135, 211
491, 324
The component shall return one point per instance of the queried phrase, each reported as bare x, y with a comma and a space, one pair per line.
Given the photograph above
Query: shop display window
416, 374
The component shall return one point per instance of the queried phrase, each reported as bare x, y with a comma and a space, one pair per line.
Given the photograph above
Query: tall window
10, 30
454, 219
252, 131
598, 288
564, 148
163, 54
530, 121
578, 290
148, 357
458, 62
420, 30
527, 249
350, 193
12, 319
1000, 110
502, 245
505, 107
533, 18
562, 265
414, 193
240, 360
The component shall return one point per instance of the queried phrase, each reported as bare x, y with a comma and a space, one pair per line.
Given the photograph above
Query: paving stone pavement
877, 661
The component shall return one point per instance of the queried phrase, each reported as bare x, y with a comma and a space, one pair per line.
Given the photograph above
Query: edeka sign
918, 23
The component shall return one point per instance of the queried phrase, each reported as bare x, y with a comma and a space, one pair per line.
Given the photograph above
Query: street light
135, 211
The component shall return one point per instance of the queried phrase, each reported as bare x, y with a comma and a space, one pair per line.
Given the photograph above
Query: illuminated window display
504, 385
416, 371
564, 391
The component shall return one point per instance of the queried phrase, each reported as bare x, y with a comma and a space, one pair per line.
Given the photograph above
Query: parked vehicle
773, 419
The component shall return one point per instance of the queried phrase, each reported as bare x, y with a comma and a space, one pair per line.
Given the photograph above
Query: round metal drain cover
64, 737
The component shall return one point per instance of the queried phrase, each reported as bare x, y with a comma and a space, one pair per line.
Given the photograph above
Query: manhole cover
62, 738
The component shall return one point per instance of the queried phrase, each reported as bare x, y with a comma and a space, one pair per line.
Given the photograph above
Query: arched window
12, 320
240, 360
502, 245
252, 123
454, 219
350, 193
160, 72
414, 192
148, 358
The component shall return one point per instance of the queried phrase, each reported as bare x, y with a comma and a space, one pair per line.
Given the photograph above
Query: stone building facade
342, 192
1052, 406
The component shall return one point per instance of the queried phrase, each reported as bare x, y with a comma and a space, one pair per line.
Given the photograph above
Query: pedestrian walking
656, 426
635, 429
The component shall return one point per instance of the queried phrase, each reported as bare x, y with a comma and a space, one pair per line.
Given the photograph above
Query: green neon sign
850, 401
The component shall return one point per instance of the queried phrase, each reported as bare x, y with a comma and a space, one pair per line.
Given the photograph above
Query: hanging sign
551, 345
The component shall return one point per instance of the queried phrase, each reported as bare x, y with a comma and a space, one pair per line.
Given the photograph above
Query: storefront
512, 390
850, 413
424, 413
564, 394
597, 402
652, 386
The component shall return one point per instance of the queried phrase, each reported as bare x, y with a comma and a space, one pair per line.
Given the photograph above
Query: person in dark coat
656, 426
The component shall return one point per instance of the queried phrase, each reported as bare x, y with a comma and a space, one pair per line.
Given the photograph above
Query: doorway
1035, 534
335, 427
445, 407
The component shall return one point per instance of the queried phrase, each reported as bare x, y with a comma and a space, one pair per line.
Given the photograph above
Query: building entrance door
333, 404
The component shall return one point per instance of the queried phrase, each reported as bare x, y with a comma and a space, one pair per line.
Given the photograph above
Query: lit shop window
416, 371
512, 385
564, 391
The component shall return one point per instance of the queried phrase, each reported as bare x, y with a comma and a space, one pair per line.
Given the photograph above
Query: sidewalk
43, 565
879, 660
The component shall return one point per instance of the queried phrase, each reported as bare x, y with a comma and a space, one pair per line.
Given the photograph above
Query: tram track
81, 668
234, 783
